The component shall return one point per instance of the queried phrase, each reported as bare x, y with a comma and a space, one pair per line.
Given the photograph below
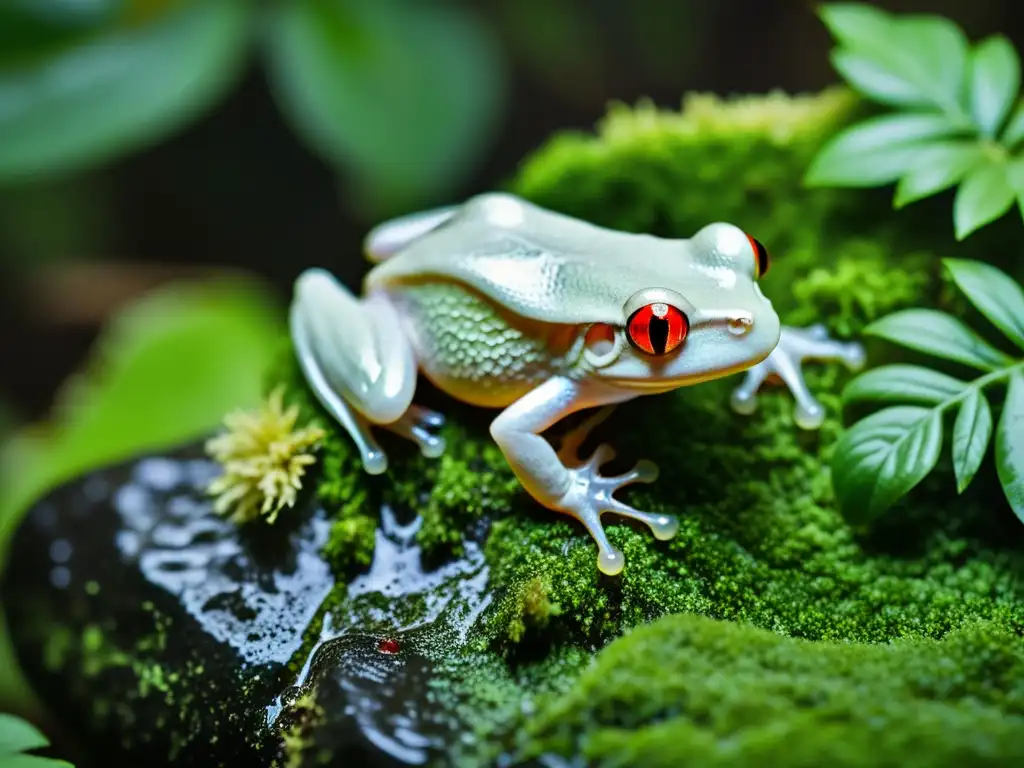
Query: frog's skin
505, 305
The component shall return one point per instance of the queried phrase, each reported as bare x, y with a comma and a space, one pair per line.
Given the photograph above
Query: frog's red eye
657, 328
761, 261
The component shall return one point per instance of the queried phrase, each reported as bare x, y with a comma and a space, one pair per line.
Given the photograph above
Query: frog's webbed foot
795, 346
416, 425
590, 495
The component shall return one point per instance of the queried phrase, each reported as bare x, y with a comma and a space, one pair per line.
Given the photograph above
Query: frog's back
539, 264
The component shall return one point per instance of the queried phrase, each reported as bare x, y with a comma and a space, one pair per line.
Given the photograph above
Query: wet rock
156, 630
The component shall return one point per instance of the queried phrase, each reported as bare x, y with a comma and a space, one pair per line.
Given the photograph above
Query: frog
538, 315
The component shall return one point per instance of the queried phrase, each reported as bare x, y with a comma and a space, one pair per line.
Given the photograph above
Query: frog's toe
591, 495
785, 363
426, 417
415, 424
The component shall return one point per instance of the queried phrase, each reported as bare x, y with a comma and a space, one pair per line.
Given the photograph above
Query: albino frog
503, 304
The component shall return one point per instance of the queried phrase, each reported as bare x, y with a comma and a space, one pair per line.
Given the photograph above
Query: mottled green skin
466, 340
761, 541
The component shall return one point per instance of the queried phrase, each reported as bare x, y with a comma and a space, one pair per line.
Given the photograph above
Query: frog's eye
657, 328
761, 261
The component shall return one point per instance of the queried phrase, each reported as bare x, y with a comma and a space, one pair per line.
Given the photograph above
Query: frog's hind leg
359, 365
388, 238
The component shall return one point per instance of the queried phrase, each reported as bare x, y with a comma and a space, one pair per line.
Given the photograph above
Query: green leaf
937, 167
936, 52
17, 735
857, 25
117, 91
876, 151
1014, 132
874, 81
1015, 177
994, 293
983, 197
31, 761
922, 53
939, 334
1010, 445
971, 434
883, 457
165, 369
404, 95
901, 382
994, 84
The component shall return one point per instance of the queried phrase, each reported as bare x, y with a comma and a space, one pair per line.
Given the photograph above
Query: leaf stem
980, 383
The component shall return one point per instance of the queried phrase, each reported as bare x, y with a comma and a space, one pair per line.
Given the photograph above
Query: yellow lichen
264, 457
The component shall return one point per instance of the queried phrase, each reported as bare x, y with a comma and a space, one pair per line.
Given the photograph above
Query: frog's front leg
359, 365
579, 490
796, 345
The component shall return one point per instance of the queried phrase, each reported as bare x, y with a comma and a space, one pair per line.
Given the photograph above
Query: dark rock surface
157, 631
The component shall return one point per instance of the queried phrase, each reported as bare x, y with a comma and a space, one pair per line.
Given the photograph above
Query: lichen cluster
820, 643
264, 455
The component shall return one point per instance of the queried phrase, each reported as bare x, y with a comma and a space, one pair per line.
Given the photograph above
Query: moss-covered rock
768, 631
761, 541
693, 691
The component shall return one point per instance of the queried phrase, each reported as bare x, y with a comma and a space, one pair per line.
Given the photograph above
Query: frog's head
709, 320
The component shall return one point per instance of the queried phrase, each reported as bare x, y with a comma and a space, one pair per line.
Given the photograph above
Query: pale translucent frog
503, 304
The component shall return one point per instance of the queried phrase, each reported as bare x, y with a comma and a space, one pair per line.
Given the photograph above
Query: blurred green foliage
131, 77
399, 94
18, 737
402, 94
959, 119
166, 369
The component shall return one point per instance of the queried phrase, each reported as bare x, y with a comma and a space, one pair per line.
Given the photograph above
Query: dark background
237, 190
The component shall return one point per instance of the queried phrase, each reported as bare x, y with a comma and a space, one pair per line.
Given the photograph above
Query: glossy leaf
925, 54
935, 52
117, 91
983, 197
899, 382
403, 95
878, 150
939, 334
883, 457
17, 735
874, 81
858, 25
994, 293
937, 167
1013, 134
972, 431
1010, 445
994, 83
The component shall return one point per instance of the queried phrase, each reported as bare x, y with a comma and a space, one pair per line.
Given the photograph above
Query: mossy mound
761, 542
732, 695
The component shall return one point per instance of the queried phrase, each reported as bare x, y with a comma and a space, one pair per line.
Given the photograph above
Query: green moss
761, 542
860, 286
301, 716
523, 611
693, 691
